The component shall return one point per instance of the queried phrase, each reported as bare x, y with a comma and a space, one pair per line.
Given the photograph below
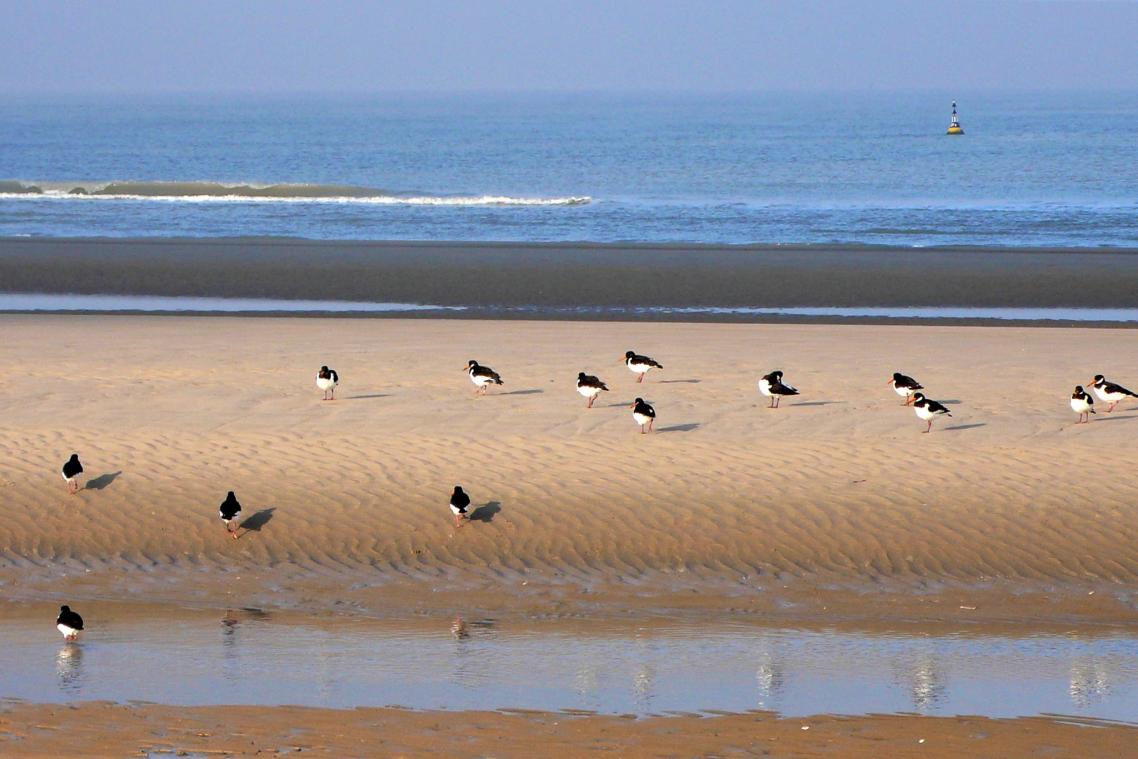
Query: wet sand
104, 729
503, 276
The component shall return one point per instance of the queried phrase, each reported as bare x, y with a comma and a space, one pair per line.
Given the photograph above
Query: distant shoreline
521, 280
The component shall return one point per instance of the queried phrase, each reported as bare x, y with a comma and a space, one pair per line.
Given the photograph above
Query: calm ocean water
1032, 170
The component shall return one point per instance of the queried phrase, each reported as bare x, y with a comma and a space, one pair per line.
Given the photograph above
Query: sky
705, 46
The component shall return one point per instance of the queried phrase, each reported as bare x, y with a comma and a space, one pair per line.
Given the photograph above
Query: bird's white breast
641, 419
1080, 405
587, 391
325, 383
765, 386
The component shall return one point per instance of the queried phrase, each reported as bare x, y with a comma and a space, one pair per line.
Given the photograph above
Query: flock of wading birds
589, 386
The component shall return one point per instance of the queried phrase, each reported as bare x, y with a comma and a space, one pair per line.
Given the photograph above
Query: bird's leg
777, 400
591, 399
650, 423
1108, 410
929, 428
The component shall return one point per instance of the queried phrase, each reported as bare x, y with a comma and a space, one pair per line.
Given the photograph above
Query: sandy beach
832, 510
536, 277
837, 488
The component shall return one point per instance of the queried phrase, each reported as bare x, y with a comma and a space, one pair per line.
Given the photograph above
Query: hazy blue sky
51, 46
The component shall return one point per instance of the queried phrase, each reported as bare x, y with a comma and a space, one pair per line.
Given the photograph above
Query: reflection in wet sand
768, 677
69, 668
460, 663
1090, 681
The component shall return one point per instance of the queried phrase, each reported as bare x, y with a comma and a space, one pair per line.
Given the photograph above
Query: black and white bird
905, 386
590, 387
1082, 404
928, 409
640, 365
772, 386
482, 376
71, 471
68, 623
1110, 392
459, 505
643, 414
326, 380
230, 510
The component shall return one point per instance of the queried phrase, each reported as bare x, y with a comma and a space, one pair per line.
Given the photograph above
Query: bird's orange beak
889, 381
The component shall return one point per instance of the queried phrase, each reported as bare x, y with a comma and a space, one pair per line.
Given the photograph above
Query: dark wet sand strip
106, 729
505, 275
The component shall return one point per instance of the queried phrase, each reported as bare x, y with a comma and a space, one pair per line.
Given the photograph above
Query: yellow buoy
954, 125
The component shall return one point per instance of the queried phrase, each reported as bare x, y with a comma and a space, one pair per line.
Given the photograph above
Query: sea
1032, 169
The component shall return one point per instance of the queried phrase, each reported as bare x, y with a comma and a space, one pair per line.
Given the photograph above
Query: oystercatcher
640, 365
326, 380
590, 387
71, 471
772, 386
482, 376
928, 409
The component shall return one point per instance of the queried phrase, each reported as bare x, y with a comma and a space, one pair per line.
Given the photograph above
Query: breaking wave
200, 192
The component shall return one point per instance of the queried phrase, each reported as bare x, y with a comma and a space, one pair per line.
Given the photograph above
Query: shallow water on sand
252, 657
50, 302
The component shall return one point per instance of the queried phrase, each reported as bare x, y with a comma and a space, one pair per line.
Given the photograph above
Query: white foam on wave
377, 200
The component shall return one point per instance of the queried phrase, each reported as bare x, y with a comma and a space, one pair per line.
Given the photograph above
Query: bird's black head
897, 376
638, 401
324, 368
1078, 389
457, 489
65, 608
777, 374
74, 457
580, 375
629, 354
230, 497
1099, 378
918, 396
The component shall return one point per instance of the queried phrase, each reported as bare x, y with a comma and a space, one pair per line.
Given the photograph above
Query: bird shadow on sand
680, 427
815, 403
1112, 418
679, 382
365, 397
258, 519
100, 482
534, 391
950, 402
958, 427
485, 512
